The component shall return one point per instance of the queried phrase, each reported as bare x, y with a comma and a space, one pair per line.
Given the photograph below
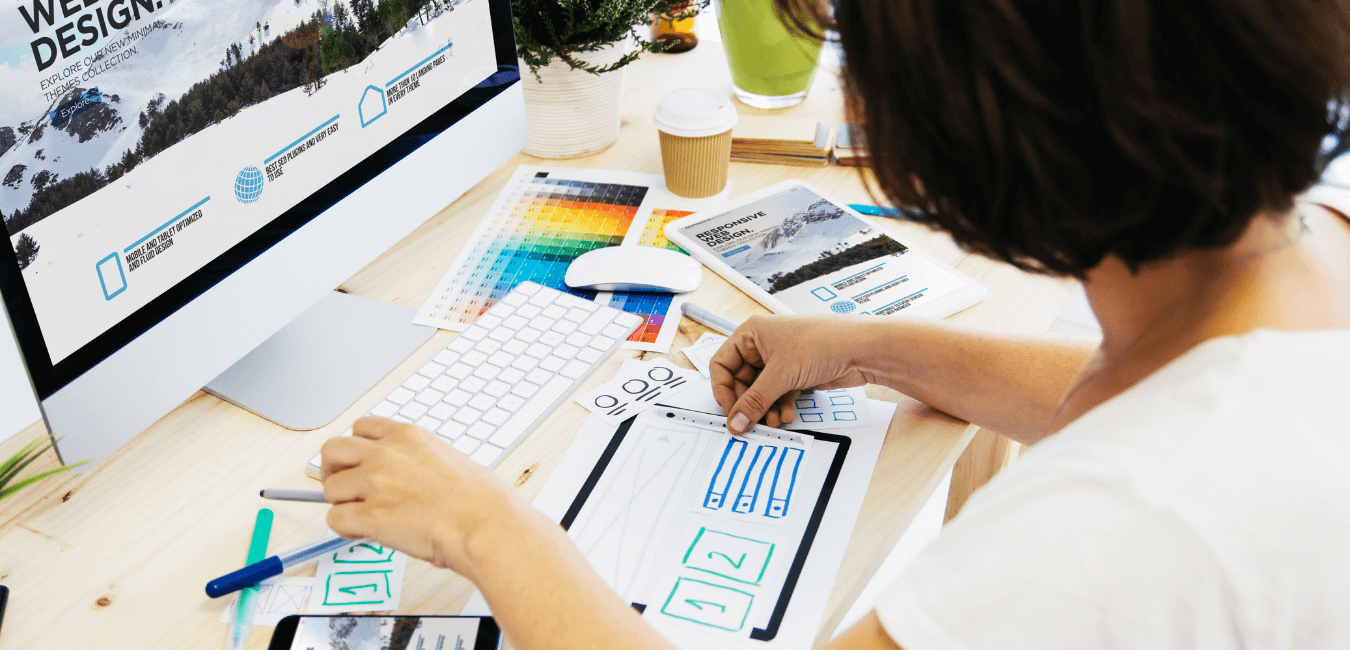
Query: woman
1190, 480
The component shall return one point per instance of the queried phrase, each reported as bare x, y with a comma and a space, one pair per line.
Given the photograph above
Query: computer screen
149, 148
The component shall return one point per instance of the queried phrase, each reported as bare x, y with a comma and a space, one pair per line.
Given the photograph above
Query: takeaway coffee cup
695, 129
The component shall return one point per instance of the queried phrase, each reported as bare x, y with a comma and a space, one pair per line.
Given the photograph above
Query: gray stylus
312, 496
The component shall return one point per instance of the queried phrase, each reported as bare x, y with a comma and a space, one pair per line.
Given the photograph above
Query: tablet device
346, 632
797, 251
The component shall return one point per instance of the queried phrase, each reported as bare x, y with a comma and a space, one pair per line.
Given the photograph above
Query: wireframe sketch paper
277, 598
754, 478
701, 352
638, 386
825, 410
363, 577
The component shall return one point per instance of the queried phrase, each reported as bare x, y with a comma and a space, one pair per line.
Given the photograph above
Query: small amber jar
678, 27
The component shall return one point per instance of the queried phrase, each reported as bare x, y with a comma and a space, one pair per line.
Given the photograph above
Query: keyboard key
501, 335
528, 335
628, 320
528, 311
526, 289
516, 426
466, 445
542, 323
446, 358
564, 327
466, 415
413, 410
489, 321
486, 346
501, 310
525, 389
475, 357
599, 320
474, 334
460, 345
577, 339
400, 396
538, 350
524, 362
517, 297
541, 299
552, 339
416, 383
588, 305
576, 315
472, 384
515, 322
590, 355
496, 416
481, 430
510, 376
565, 351
441, 411
486, 371
400, 418
384, 409
486, 455
575, 369
511, 403
552, 364
538, 376
460, 370
458, 398
615, 331
602, 342
555, 312
430, 397
429, 423
444, 383
451, 430
515, 347
496, 388
501, 359
482, 401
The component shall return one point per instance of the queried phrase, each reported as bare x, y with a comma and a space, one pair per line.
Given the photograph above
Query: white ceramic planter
573, 113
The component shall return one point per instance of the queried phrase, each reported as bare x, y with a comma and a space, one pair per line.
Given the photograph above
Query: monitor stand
312, 370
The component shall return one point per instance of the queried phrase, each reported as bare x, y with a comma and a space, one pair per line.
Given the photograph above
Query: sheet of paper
701, 352
363, 577
638, 386
827, 410
754, 478
543, 219
277, 598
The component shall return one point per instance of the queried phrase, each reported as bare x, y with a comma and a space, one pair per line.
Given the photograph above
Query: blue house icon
371, 106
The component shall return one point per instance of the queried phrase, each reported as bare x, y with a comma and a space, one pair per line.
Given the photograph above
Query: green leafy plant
563, 28
16, 463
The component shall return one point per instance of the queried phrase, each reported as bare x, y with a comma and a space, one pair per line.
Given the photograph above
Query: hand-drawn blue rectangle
749, 494
784, 479
841, 400
720, 484
845, 416
806, 403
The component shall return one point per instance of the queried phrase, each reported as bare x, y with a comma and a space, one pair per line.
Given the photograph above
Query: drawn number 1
733, 563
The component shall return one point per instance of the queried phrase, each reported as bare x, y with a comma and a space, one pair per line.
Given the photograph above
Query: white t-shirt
1208, 506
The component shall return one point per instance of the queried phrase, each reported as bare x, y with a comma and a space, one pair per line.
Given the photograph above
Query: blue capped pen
275, 565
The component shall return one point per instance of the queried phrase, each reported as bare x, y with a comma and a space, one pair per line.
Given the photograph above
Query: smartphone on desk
346, 632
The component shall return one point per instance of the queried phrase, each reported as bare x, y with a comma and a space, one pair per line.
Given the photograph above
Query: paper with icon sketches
277, 598
701, 352
638, 386
825, 410
363, 577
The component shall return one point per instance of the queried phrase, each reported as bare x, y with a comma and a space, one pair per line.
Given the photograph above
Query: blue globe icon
843, 307
248, 185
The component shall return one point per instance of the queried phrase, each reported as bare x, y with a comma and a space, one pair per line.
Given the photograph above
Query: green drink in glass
770, 66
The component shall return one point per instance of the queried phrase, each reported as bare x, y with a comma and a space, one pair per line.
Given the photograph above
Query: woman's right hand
760, 371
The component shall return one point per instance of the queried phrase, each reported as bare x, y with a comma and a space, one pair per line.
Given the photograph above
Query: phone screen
385, 633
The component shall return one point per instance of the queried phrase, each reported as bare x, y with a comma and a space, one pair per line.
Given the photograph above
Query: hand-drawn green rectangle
364, 553
357, 588
708, 604
733, 557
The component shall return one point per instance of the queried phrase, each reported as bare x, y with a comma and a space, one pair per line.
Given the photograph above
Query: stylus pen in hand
275, 565
311, 496
711, 319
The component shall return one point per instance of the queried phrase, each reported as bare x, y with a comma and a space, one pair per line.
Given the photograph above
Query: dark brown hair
1051, 134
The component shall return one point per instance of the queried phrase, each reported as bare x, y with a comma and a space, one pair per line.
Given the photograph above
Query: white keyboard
500, 377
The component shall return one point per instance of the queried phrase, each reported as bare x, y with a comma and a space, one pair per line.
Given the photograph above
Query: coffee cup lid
695, 113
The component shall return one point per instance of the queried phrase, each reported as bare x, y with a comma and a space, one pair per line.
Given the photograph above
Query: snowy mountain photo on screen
813, 238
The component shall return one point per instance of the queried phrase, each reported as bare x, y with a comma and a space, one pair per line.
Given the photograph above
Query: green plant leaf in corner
16, 463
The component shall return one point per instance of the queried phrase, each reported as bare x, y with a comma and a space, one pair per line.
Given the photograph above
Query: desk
119, 557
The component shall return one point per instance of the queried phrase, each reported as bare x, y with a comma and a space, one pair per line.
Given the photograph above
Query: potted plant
575, 51
10, 469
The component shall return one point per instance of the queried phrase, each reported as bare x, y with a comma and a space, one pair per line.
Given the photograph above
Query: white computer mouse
634, 268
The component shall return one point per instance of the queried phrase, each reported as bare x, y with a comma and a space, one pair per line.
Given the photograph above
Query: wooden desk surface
119, 557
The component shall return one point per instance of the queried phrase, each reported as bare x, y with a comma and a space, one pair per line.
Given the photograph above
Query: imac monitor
179, 179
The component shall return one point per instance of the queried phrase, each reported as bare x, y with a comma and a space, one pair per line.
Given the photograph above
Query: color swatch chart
540, 224
655, 235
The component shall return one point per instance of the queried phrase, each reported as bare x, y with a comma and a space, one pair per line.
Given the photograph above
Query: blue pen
877, 211
275, 565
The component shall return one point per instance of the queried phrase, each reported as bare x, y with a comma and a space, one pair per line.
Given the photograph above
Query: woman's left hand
400, 485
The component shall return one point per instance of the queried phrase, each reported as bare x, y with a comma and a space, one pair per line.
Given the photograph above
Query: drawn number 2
733, 563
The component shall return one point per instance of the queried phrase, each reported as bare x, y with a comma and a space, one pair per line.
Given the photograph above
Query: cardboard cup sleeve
696, 167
